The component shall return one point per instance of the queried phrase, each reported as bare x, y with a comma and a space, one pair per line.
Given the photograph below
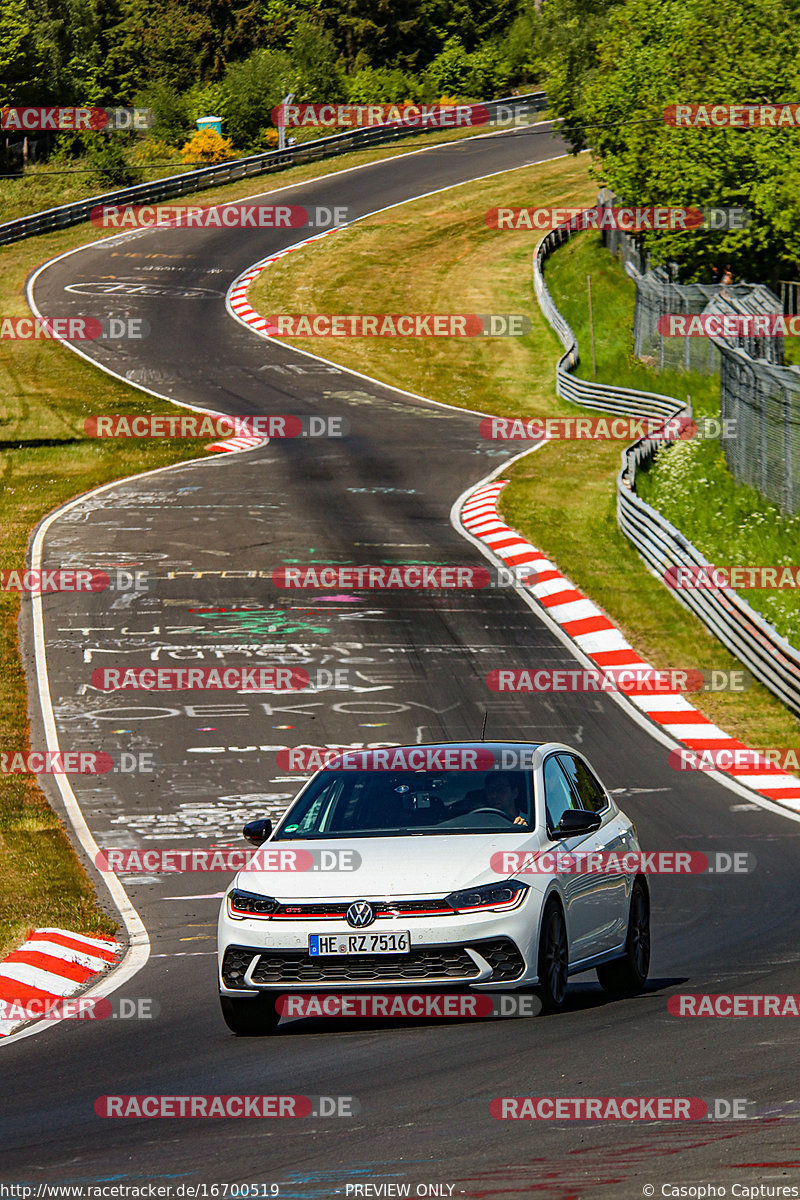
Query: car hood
392, 867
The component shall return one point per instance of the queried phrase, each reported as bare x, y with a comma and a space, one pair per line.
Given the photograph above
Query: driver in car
501, 790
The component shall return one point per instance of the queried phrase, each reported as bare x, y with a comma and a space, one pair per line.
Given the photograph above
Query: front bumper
486, 950
492, 960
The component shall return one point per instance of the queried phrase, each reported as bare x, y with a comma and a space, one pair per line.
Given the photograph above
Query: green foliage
247, 94
174, 121
237, 59
280, 18
317, 73
106, 153
568, 34
115, 52
520, 47
457, 71
380, 85
409, 34
22, 64
730, 523
637, 60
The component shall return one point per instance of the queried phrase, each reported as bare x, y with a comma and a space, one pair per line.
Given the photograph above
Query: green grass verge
563, 496
689, 482
729, 522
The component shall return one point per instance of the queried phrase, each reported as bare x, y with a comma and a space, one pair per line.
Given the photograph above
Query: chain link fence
763, 400
759, 395
658, 295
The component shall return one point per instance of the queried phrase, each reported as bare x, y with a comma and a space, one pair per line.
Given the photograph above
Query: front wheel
628, 974
553, 958
250, 1016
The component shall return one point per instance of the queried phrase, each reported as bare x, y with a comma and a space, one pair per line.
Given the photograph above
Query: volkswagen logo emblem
360, 913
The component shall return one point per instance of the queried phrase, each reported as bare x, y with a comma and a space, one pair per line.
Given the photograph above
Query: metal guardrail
159, 190
740, 628
601, 396
770, 657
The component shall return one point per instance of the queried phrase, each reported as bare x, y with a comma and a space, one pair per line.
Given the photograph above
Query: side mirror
257, 832
576, 821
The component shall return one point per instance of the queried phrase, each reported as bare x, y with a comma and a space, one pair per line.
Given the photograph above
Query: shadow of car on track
581, 998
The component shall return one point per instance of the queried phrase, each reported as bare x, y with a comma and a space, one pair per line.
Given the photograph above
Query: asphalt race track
209, 534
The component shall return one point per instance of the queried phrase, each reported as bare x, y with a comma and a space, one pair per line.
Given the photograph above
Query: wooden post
591, 325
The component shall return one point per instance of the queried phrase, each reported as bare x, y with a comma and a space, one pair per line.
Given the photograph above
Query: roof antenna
483, 730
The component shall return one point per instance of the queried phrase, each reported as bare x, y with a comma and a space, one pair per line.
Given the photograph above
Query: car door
608, 899
582, 893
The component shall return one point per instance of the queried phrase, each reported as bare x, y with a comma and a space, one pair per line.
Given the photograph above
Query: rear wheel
628, 974
250, 1016
553, 958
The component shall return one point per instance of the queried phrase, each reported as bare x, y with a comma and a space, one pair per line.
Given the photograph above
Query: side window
591, 794
558, 795
318, 813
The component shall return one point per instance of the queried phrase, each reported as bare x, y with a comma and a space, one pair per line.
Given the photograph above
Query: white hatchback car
453, 885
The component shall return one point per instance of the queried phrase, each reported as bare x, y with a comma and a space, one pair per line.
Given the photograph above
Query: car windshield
392, 803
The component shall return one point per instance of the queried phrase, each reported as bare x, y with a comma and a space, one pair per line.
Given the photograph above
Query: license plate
359, 943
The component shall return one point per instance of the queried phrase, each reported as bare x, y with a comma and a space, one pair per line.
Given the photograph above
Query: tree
689, 52
23, 57
318, 75
476, 75
569, 34
520, 47
250, 90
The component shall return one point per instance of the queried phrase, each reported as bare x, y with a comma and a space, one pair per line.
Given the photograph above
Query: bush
153, 150
173, 120
477, 75
206, 148
249, 92
106, 154
206, 100
378, 85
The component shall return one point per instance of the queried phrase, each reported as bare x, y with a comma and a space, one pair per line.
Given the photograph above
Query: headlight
250, 904
498, 896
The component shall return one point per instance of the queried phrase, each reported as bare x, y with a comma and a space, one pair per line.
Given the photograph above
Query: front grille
502, 956
335, 911
234, 965
424, 964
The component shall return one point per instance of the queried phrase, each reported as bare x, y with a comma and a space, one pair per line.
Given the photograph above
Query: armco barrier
242, 168
741, 630
601, 396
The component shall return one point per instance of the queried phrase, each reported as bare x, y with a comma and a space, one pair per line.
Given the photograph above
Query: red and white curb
49, 965
600, 640
241, 307
246, 442
237, 294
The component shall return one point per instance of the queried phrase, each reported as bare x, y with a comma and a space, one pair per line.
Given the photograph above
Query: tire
249, 1016
627, 975
553, 958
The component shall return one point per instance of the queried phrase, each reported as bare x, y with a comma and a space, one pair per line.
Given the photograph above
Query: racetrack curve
210, 533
